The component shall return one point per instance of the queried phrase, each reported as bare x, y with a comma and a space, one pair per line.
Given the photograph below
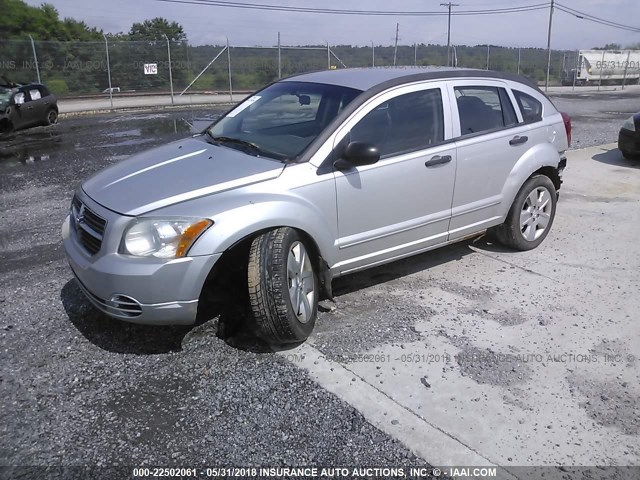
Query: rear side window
34, 93
483, 108
530, 107
409, 122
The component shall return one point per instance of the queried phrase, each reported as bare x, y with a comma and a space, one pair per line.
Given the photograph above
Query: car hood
175, 173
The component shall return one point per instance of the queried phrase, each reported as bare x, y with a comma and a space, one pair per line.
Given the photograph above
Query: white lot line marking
422, 437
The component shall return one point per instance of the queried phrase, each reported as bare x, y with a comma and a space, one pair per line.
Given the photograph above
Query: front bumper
139, 290
629, 142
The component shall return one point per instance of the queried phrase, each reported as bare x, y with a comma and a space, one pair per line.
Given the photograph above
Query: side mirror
358, 154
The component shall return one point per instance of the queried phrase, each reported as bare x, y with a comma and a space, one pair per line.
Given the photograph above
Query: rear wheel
6, 127
52, 117
531, 215
283, 286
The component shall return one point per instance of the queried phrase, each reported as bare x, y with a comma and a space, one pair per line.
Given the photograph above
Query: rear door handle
437, 160
518, 140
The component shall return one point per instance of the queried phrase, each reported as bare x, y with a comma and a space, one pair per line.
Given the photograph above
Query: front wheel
52, 117
531, 215
283, 286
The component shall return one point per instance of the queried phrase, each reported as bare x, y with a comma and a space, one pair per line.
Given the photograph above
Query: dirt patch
479, 293
507, 318
487, 366
494, 368
354, 326
609, 403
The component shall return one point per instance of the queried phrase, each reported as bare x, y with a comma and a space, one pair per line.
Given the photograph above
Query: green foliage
58, 86
18, 20
70, 50
609, 46
156, 29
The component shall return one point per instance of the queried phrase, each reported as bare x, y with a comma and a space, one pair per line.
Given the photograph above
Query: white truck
606, 67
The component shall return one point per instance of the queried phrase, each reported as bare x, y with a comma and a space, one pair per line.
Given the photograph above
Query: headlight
629, 124
162, 238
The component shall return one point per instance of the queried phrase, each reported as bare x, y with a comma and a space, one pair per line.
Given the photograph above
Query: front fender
265, 212
537, 157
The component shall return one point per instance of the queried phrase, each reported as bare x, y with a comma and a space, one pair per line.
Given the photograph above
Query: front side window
19, 98
530, 107
282, 120
483, 108
409, 122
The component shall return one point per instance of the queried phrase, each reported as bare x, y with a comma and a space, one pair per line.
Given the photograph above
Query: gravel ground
597, 118
77, 388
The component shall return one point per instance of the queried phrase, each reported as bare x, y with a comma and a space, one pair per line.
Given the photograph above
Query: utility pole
106, 47
279, 59
169, 58
395, 52
373, 55
35, 58
546, 83
449, 5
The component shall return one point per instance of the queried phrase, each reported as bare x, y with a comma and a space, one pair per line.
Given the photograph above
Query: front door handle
437, 160
518, 140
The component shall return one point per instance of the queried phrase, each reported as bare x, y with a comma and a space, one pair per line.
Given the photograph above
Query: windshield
5, 96
281, 120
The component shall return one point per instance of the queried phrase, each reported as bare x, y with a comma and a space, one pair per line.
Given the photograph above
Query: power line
283, 8
582, 15
592, 18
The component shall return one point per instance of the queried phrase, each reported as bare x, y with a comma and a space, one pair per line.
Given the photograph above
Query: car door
35, 106
19, 110
401, 204
490, 140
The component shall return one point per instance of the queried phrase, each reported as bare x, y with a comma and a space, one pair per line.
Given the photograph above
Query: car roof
20, 85
370, 77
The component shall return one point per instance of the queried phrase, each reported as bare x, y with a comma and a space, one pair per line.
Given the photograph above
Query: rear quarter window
530, 107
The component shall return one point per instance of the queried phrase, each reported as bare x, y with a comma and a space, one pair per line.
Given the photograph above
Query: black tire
6, 128
629, 156
510, 233
51, 118
269, 287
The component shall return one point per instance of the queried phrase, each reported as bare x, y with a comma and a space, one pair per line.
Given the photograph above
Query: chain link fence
116, 67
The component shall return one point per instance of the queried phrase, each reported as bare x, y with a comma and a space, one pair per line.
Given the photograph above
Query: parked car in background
111, 90
314, 177
26, 106
629, 137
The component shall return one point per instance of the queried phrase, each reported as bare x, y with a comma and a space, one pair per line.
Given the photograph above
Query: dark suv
25, 106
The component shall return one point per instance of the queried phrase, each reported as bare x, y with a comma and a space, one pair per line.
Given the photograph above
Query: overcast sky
207, 24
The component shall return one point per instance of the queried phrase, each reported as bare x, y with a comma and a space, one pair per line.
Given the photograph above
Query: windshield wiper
250, 147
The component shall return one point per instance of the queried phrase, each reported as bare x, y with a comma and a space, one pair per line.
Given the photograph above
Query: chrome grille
88, 226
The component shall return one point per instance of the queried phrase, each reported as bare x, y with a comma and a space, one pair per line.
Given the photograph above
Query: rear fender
537, 157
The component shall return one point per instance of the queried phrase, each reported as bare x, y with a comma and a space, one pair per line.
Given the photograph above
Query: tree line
72, 56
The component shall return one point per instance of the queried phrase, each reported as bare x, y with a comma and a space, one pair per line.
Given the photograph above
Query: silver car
314, 177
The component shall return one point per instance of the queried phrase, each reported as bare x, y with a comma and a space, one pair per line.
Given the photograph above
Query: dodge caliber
314, 177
